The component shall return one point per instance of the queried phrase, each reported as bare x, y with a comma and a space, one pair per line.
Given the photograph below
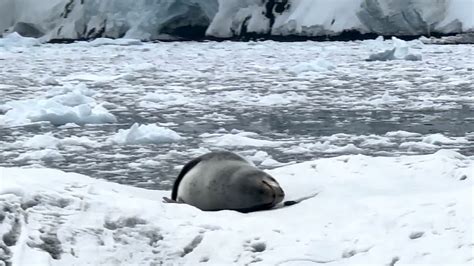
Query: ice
42, 141
402, 134
71, 107
312, 66
193, 19
400, 51
44, 154
407, 209
16, 40
242, 139
120, 42
75, 19
145, 134
326, 18
441, 139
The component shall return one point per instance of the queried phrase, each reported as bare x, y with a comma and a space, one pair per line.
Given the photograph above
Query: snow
408, 209
144, 134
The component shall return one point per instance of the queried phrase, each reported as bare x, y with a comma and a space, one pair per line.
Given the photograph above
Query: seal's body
225, 181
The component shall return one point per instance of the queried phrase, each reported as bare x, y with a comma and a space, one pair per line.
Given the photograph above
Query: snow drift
193, 19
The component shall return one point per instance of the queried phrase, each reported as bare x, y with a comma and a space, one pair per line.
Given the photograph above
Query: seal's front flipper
168, 200
296, 201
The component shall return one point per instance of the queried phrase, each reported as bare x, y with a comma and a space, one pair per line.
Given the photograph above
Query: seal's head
255, 189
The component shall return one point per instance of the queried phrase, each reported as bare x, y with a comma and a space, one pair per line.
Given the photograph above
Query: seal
223, 180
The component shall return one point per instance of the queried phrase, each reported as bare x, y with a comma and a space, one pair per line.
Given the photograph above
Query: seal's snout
275, 190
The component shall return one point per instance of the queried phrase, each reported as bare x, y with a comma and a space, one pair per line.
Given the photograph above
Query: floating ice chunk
165, 99
402, 134
312, 66
42, 141
49, 81
56, 111
400, 51
121, 42
16, 40
43, 155
349, 148
145, 134
69, 125
240, 140
79, 141
281, 99
73, 98
259, 156
418, 146
441, 139
270, 162
385, 99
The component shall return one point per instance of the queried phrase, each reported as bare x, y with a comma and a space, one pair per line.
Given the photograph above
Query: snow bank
145, 134
70, 107
379, 210
322, 18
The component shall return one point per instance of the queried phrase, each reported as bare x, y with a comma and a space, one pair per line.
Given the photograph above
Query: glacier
199, 19
329, 18
89, 19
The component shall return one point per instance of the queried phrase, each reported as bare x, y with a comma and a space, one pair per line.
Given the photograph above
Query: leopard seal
223, 180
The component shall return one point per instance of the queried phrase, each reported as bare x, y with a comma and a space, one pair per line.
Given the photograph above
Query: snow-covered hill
193, 19
369, 210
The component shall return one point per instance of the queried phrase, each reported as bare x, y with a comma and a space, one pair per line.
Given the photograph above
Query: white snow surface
377, 210
321, 17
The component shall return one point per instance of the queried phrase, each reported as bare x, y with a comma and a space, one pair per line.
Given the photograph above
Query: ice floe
71, 107
408, 210
240, 139
400, 51
145, 134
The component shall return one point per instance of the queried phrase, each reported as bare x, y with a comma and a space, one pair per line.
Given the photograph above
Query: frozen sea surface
276, 103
